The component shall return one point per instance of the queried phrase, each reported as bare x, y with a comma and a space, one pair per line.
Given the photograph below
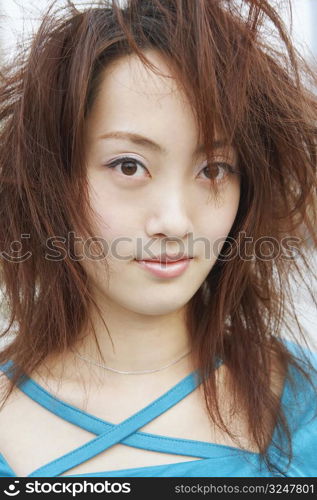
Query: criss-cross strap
119, 431
110, 434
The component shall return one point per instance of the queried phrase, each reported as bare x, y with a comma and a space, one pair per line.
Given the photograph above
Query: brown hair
260, 97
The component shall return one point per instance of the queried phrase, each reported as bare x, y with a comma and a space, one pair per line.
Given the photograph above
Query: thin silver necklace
139, 372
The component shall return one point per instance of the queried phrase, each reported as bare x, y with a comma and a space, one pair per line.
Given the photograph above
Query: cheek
219, 221
107, 211
115, 229
224, 217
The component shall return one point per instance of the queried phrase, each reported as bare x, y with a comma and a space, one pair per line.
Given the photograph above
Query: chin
155, 308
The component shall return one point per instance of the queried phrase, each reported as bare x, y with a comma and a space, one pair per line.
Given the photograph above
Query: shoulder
301, 351
306, 358
300, 392
299, 404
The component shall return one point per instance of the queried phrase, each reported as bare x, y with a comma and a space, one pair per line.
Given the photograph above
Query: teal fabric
214, 460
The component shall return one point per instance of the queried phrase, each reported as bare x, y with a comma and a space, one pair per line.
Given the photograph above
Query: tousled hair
261, 98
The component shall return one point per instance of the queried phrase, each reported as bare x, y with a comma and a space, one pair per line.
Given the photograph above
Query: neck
133, 342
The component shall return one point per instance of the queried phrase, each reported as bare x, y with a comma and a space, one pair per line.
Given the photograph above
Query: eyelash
123, 159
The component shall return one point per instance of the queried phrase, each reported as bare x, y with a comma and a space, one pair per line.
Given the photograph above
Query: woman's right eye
128, 166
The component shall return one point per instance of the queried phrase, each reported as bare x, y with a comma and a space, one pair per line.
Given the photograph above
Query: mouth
167, 258
166, 268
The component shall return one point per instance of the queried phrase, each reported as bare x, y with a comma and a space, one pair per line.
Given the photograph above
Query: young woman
158, 183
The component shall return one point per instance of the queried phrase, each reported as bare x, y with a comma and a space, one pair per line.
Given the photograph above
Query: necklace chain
138, 372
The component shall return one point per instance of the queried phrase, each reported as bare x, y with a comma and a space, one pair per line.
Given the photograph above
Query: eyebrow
141, 140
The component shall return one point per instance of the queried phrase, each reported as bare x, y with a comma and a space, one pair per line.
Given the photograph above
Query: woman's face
159, 199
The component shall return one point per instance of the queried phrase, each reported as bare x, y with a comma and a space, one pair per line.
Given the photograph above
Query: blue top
216, 460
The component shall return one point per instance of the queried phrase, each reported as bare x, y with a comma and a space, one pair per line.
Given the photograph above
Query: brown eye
217, 171
128, 166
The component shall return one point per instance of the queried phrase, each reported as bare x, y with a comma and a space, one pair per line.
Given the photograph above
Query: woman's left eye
217, 171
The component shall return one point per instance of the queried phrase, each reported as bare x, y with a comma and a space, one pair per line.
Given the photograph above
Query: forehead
131, 91
142, 79
133, 98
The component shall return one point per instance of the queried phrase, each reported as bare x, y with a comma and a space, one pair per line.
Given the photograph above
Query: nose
169, 215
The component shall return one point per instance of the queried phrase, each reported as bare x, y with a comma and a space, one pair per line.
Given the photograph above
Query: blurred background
19, 18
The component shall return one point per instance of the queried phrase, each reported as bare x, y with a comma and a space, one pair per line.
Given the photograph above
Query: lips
165, 269
166, 261
165, 258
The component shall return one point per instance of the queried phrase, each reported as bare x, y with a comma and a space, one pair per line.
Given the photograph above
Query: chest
35, 436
